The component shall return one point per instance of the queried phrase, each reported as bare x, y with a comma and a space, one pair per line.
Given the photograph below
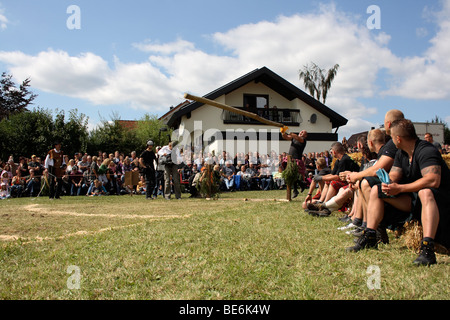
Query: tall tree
12, 99
318, 81
34, 132
150, 127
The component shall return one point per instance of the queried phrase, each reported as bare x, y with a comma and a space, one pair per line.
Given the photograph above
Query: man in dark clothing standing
54, 163
147, 161
298, 144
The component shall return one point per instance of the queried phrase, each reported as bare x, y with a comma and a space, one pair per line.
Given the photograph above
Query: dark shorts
393, 217
375, 181
442, 198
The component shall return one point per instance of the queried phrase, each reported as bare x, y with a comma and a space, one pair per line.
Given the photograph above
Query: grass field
122, 247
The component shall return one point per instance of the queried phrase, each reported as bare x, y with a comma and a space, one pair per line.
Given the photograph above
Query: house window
256, 101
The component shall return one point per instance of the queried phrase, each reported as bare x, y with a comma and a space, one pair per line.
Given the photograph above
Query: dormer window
256, 101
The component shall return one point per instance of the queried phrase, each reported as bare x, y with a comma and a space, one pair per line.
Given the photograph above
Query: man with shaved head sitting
420, 186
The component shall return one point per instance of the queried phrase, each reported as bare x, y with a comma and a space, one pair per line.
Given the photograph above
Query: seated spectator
323, 185
70, 165
32, 183
86, 183
278, 179
114, 181
83, 165
309, 179
227, 174
7, 170
348, 194
4, 185
194, 182
141, 186
76, 180
342, 164
23, 166
127, 167
265, 178
310, 164
66, 184
36, 165
367, 179
17, 184
102, 173
253, 175
98, 189
245, 178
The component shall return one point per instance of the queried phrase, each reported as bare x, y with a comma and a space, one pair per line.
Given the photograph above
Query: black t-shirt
425, 155
148, 157
389, 150
296, 148
324, 171
345, 164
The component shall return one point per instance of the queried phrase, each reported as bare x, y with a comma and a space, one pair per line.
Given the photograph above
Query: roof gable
271, 80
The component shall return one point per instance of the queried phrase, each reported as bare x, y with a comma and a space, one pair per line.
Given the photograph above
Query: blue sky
136, 57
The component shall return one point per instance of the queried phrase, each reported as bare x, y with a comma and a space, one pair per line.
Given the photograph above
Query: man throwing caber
298, 144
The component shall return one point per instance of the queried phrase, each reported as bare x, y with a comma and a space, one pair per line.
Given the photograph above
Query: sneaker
427, 256
366, 241
348, 226
295, 194
345, 218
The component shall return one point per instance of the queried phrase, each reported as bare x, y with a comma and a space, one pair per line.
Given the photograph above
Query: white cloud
428, 76
166, 48
3, 20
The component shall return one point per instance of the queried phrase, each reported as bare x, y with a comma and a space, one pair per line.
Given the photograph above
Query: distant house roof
165, 117
128, 124
271, 80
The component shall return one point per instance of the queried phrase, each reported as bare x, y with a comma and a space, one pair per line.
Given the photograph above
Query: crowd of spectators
104, 173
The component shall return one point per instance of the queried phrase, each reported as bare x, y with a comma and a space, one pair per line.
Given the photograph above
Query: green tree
71, 132
318, 81
12, 99
34, 132
151, 128
110, 136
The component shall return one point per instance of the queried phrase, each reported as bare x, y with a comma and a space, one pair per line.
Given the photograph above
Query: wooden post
288, 187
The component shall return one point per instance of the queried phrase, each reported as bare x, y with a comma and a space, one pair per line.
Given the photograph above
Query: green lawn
124, 247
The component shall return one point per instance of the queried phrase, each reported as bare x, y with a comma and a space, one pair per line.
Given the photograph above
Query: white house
204, 127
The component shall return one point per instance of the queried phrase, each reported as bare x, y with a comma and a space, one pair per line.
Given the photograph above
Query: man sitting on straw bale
419, 187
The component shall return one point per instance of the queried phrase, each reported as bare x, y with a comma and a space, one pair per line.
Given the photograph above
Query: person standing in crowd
159, 188
147, 160
54, 163
298, 144
171, 170
429, 137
